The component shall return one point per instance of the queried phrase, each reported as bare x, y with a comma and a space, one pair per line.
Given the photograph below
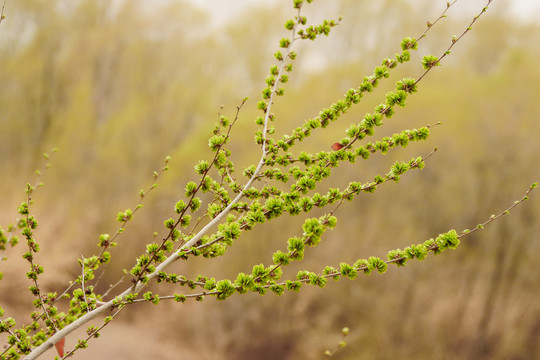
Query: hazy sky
221, 10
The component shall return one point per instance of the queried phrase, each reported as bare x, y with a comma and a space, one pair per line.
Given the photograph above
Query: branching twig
141, 280
93, 333
433, 247
454, 41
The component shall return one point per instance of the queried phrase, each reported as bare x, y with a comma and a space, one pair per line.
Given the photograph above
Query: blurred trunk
482, 345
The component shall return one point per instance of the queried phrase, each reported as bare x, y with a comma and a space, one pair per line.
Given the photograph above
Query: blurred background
118, 85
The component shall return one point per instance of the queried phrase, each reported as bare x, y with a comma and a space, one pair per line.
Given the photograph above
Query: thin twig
455, 40
93, 333
111, 287
82, 285
2, 13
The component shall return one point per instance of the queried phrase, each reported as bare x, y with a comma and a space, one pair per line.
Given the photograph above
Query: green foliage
284, 181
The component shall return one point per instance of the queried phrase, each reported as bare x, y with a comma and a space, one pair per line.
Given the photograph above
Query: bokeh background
118, 85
